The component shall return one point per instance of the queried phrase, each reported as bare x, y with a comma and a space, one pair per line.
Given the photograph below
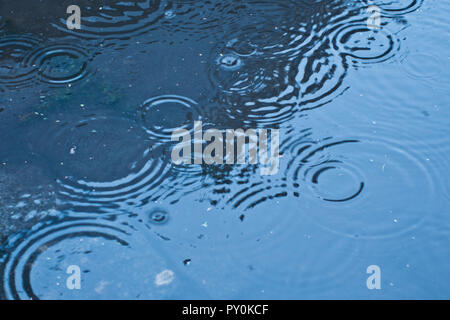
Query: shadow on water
85, 169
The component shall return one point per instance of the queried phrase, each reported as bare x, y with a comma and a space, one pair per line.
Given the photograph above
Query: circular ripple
103, 161
235, 72
159, 216
243, 188
117, 19
253, 86
162, 115
330, 178
13, 72
397, 7
185, 179
252, 61
422, 65
269, 71
335, 182
320, 78
257, 193
36, 265
59, 64
374, 191
363, 46
199, 19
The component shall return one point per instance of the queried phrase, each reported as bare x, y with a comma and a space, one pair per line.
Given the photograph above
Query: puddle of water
86, 177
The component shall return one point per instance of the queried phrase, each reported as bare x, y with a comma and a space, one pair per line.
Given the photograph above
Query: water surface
86, 178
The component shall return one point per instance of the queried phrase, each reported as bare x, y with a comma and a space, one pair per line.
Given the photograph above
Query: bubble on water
159, 216
229, 62
169, 14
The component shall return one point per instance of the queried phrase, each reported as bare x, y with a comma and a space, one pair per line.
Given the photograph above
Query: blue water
86, 177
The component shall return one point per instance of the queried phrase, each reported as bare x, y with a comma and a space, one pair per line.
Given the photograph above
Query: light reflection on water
85, 171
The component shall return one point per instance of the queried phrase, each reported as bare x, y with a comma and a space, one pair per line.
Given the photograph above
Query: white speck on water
164, 278
205, 225
101, 286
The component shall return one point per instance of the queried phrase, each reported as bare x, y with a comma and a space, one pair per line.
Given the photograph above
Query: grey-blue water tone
86, 177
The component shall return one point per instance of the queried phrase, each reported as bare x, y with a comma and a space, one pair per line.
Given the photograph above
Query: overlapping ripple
13, 50
357, 198
26, 60
396, 7
162, 115
103, 161
362, 45
35, 266
265, 62
116, 19
59, 63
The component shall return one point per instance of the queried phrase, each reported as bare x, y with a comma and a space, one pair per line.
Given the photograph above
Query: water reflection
91, 113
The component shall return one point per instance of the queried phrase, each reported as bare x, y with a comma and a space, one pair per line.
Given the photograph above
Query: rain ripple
25, 60
59, 63
117, 19
34, 266
102, 162
396, 7
13, 50
265, 73
359, 204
